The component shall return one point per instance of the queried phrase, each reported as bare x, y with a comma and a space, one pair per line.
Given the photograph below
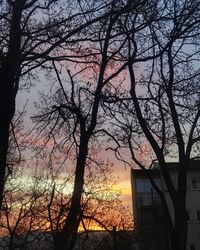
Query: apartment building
148, 212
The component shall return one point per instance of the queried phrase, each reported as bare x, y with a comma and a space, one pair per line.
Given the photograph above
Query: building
148, 212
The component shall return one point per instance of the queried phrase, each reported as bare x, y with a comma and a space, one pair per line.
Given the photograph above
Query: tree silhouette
162, 110
33, 33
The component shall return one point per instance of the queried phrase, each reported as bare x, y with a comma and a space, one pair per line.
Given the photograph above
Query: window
143, 185
195, 182
198, 214
188, 215
192, 247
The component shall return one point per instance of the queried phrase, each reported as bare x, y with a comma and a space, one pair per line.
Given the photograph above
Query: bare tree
22, 218
33, 33
101, 207
31, 216
78, 111
162, 110
129, 34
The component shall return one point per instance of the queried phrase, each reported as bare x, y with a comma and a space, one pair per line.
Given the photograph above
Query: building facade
148, 213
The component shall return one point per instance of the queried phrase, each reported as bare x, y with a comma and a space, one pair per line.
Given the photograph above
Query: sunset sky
121, 172
92, 92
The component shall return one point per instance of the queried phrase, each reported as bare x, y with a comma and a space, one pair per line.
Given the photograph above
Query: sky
121, 172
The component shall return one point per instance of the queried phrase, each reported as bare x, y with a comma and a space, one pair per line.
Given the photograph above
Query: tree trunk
9, 78
65, 240
7, 110
4, 136
177, 227
179, 240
